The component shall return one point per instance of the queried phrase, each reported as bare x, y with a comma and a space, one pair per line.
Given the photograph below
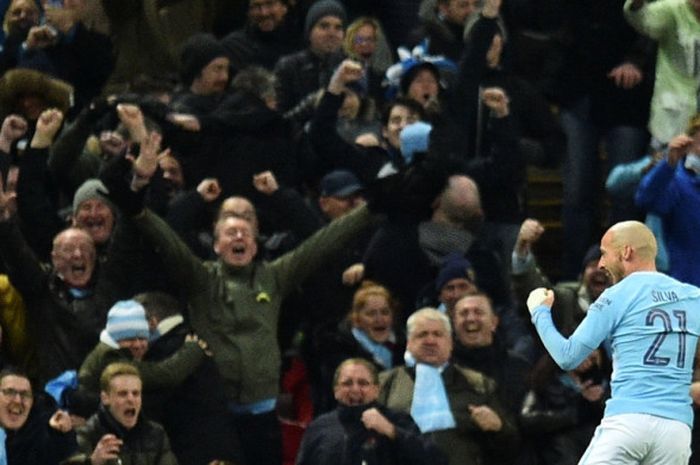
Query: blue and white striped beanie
127, 320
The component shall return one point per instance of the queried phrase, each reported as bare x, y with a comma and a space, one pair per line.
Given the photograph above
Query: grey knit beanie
92, 189
320, 9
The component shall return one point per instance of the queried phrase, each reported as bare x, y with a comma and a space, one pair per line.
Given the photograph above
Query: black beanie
320, 9
455, 266
197, 52
411, 73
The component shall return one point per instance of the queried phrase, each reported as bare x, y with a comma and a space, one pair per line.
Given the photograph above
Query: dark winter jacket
340, 438
144, 444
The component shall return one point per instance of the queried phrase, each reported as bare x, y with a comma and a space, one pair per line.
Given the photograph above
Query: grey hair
430, 314
257, 81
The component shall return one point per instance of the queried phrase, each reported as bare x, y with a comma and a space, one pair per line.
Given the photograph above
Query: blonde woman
367, 332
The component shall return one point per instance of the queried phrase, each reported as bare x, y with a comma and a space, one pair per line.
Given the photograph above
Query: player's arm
567, 353
695, 386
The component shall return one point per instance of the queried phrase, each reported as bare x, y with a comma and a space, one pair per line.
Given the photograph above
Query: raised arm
289, 205
188, 214
525, 274
68, 161
656, 191
35, 201
567, 353
126, 179
332, 151
13, 127
23, 267
293, 267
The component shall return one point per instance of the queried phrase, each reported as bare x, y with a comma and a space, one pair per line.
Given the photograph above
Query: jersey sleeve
593, 330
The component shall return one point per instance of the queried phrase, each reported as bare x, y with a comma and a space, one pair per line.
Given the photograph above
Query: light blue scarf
79, 294
56, 386
380, 352
430, 408
3, 452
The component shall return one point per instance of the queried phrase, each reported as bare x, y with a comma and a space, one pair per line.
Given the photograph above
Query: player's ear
627, 252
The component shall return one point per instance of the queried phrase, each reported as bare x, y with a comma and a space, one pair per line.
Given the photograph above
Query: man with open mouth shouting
66, 301
118, 431
31, 429
235, 300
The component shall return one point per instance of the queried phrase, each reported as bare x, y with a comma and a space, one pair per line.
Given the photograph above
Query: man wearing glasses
45, 437
360, 430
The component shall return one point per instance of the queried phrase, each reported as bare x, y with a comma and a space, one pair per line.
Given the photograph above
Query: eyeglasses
10, 393
359, 40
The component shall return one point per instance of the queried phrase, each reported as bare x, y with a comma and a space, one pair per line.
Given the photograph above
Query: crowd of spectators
267, 232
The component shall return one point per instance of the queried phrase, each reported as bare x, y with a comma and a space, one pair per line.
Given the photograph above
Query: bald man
652, 322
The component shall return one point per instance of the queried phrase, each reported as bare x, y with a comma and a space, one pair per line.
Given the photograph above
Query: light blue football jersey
652, 322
